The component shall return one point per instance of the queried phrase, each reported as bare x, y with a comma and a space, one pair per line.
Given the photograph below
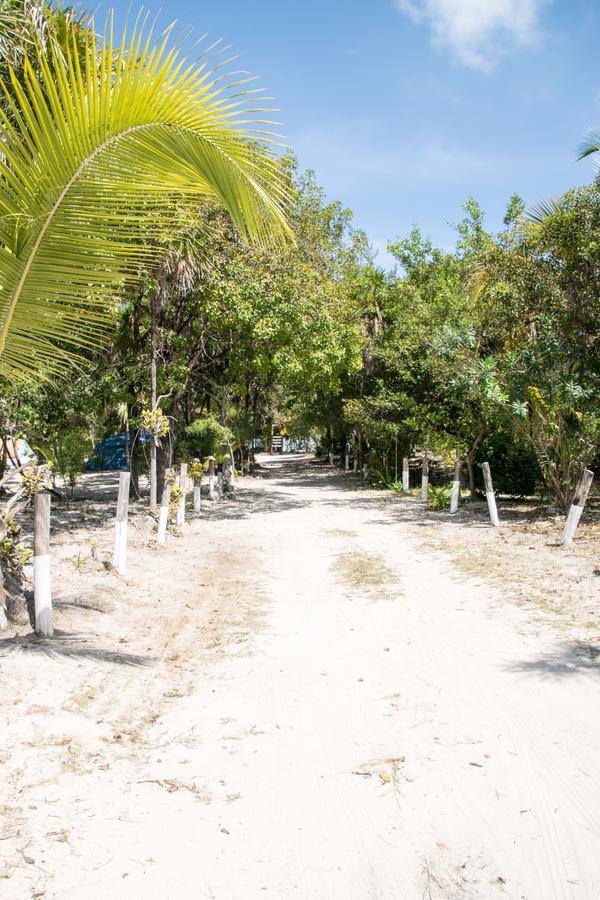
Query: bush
207, 437
438, 497
514, 466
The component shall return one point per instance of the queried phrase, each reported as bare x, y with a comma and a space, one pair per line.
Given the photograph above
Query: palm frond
543, 210
590, 144
104, 153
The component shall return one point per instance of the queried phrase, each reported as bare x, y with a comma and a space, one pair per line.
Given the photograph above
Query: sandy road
378, 729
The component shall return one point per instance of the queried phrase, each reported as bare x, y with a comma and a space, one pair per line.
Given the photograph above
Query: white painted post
220, 483
347, 461
365, 474
355, 464
42, 588
405, 474
211, 478
228, 485
455, 496
198, 496
182, 486
489, 493
331, 457
120, 545
163, 515
425, 478
579, 500
396, 458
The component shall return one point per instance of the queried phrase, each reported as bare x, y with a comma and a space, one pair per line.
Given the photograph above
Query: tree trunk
153, 395
164, 462
471, 461
134, 467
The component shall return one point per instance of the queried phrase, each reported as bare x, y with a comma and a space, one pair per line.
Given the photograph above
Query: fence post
331, 457
228, 483
347, 460
182, 487
198, 495
120, 545
365, 474
163, 515
489, 493
425, 477
579, 500
405, 474
42, 588
455, 497
355, 464
211, 478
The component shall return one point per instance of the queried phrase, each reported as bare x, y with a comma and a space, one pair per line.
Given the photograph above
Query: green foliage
13, 556
104, 152
438, 497
68, 453
515, 469
207, 437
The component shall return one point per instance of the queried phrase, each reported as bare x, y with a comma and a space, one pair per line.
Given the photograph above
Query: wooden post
42, 588
211, 478
425, 477
405, 474
220, 483
579, 500
455, 496
228, 485
489, 493
355, 465
163, 516
182, 487
331, 457
120, 545
198, 496
347, 461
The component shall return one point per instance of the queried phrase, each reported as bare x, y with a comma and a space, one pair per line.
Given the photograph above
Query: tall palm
104, 153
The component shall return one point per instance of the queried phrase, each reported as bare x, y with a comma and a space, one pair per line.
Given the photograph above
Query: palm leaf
590, 145
104, 153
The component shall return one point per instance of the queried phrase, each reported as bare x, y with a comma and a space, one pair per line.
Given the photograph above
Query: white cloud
477, 31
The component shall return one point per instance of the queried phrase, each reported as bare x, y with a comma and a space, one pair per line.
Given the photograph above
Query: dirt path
355, 721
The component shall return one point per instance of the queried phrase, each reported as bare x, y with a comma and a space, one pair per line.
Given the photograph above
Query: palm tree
105, 152
105, 149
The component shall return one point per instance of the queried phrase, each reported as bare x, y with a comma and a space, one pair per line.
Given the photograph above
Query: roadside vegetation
168, 272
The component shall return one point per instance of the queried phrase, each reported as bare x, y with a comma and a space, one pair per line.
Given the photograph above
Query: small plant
177, 495
438, 497
36, 478
379, 479
396, 486
155, 421
196, 470
13, 556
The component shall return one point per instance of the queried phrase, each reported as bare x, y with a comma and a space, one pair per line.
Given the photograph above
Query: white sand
415, 738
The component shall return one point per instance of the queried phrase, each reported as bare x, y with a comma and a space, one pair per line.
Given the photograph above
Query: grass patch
367, 572
339, 532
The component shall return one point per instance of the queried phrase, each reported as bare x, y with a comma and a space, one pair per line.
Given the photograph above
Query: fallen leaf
384, 777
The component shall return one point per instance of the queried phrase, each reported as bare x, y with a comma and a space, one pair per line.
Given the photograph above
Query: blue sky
404, 107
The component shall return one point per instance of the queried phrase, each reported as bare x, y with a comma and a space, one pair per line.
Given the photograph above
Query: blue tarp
111, 454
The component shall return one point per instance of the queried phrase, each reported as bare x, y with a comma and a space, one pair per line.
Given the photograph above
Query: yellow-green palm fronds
102, 153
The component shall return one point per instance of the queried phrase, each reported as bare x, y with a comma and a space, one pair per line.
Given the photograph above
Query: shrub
207, 437
514, 465
438, 497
